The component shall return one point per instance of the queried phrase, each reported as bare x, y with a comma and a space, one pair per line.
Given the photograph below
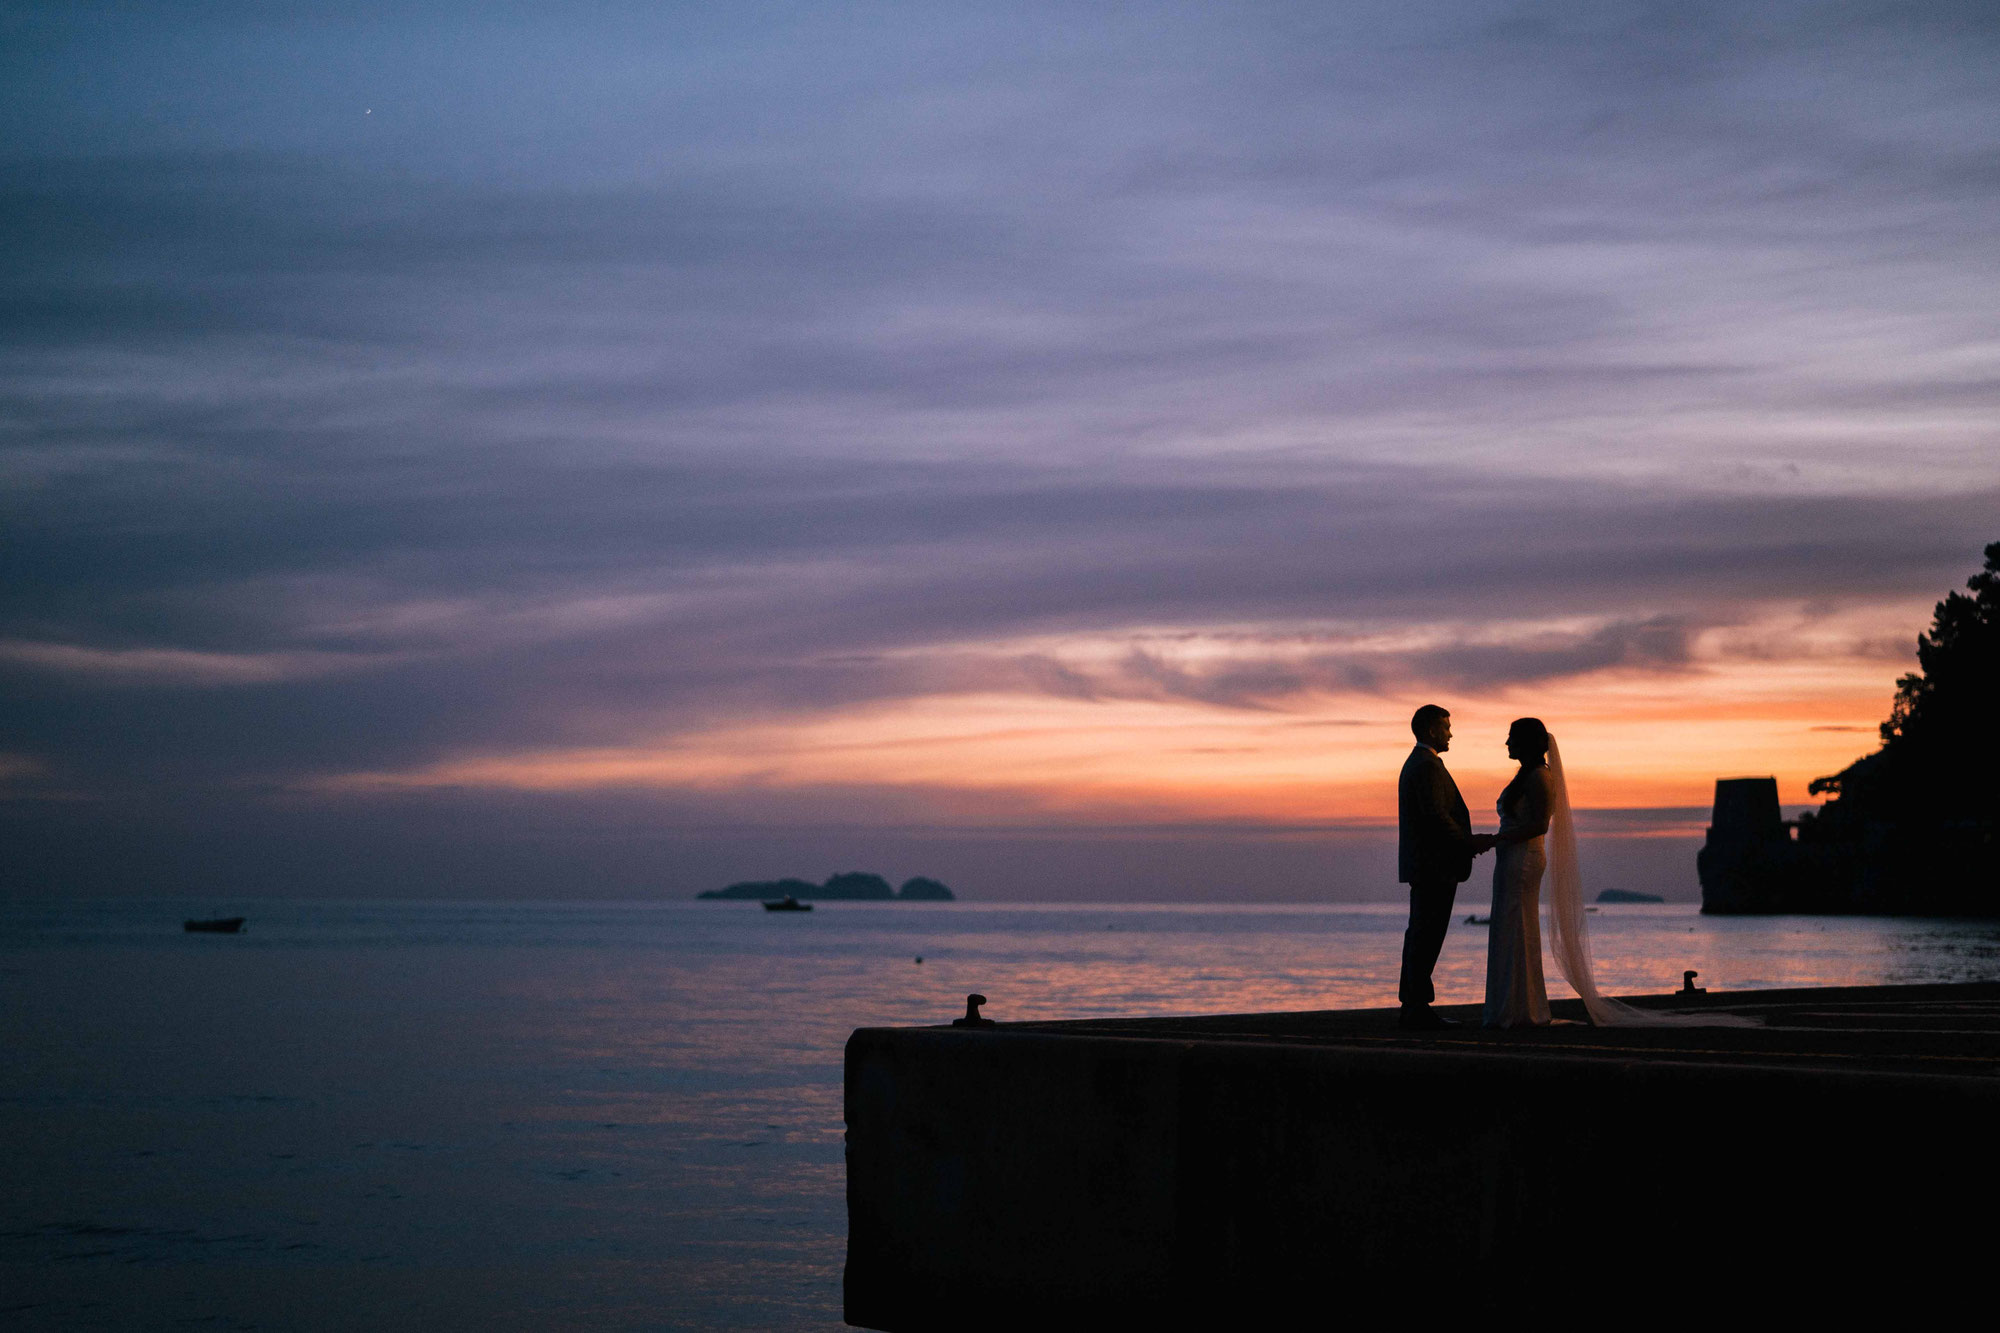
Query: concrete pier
1320, 1168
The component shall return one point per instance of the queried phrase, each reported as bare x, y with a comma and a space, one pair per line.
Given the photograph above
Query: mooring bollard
972, 1018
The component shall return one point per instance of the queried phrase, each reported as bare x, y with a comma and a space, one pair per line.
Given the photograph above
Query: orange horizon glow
1631, 740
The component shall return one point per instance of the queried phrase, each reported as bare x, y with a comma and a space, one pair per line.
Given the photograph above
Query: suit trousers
1430, 918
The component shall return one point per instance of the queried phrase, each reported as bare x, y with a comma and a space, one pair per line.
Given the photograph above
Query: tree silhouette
1917, 817
1949, 702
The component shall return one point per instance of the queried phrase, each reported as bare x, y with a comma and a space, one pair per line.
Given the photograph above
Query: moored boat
220, 925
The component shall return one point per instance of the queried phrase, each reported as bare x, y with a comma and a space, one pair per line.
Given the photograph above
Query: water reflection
615, 1115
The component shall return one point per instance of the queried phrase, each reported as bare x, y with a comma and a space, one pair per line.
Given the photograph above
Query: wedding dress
1515, 994
1569, 939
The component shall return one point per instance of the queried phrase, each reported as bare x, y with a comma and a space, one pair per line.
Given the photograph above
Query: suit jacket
1434, 831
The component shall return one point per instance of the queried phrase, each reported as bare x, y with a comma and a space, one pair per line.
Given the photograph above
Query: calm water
612, 1115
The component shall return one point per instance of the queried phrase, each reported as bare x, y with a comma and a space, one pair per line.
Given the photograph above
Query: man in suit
1435, 845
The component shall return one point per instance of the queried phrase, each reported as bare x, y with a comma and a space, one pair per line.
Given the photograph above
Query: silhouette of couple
1537, 835
1435, 850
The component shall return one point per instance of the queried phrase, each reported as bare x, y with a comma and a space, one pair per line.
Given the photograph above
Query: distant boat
220, 925
787, 904
1479, 921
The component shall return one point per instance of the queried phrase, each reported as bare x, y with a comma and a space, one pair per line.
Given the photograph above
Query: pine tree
1921, 811
1950, 701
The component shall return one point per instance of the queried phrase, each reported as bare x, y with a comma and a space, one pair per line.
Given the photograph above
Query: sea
608, 1115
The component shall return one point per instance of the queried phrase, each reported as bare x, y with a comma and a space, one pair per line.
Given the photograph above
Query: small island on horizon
852, 885
1628, 896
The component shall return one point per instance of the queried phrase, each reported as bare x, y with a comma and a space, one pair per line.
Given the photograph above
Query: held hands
1483, 842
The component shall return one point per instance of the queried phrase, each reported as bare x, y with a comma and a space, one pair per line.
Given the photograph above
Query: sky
607, 450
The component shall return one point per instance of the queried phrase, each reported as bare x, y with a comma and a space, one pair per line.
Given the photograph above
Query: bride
1515, 996
1537, 833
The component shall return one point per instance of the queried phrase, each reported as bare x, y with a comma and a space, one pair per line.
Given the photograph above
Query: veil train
1569, 939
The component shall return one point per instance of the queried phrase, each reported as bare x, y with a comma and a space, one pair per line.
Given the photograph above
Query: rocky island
853, 885
1911, 829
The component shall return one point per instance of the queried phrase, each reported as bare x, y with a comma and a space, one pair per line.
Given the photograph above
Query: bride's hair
1531, 730
1535, 741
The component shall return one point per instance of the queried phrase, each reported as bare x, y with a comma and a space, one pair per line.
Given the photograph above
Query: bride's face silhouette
1524, 747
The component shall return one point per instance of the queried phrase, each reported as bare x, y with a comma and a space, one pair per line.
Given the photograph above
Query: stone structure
1757, 861
1750, 862
1308, 1170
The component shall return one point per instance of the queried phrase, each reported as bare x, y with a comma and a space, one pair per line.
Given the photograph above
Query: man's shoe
1423, 1019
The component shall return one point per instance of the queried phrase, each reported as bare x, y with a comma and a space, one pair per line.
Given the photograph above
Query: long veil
1569, 939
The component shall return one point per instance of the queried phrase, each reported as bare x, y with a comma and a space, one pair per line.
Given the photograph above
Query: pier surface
1233, 1170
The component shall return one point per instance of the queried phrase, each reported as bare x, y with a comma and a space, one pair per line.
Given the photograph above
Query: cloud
168, 666
1467, 659
555, 607
1662, 643
641, 376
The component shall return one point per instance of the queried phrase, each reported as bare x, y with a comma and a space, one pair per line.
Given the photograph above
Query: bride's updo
1532, 736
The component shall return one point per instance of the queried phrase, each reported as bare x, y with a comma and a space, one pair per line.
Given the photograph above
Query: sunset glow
1633, 738
1054, 447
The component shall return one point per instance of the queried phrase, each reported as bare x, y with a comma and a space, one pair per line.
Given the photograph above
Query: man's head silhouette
1431, 725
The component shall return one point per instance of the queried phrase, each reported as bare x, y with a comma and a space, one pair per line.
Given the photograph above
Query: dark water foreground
1266, 1170
613, 1116
417, 1116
